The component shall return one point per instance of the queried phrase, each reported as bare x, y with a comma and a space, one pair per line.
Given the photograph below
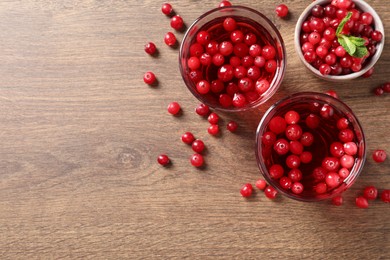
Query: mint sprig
353, 45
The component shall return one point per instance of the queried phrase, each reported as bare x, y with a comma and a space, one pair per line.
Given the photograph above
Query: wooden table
80, 134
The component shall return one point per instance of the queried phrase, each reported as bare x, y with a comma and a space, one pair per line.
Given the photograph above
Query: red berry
276, 171
246, 190
386, 87
292, 117
277, 125
268, 138
196, 49
203, 37
213, 118
187, 138
170, 39
225, 100
203, 87
293, 161
281, 10
307, 139
331, 164
337, 201
225, 48
197, 160
268, 52
285, 183
361, 202
202, 110
368, 73
332, 179
239, 100
306, 157
320, 188
293, 132
229, 24
193, 63
163, 159
224, 3
312, 121
198, 146
326, 111
342, 123
379, 156
295, 175
250, 39
262, 86
281, 146
261, 184
213, 129
177, 22
149, 78
232, 126
237, 36
296, 147
332, 93
378, 91
343, 173
385, 196
166, 9
150, 48
174, 108
337, 149
346, 135
297, 188
370, 193
270, 192
319, 174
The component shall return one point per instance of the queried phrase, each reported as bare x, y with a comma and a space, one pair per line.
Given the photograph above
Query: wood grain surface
80, 134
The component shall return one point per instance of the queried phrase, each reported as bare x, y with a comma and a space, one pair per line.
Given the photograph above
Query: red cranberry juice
324, 135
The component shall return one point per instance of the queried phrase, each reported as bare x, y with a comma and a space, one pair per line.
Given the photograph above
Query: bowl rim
279, 39
315, 95
378, 26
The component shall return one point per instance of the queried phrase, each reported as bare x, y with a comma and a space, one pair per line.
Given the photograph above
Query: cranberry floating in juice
310, 146
232, 58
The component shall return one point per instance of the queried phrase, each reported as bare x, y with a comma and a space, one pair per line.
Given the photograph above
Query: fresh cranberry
276, 171
379, 156
226, 48
259, 61
212, 47
370, 193
306, 157
240, 49
317, 11
177, 22
378, 91
342, 123
325, 69
385, 196
293, 132
197, 160
213, 129
361, 202
312, 121
285, 183
343, 173
337, 149
281, 146
366, 18
262, 86
250, 39
330, 164
350, 148
203, 87
291, 117
346, 135
203, 37
332, 179
319, 174
281, 10
326, 111
277, 124
332, 93
149, 78
196, 49
296, 147
224, 3
232, 126
268, 52
193, 63
268, 138
297, 188
261, 184
307, 139
386, 87
202, 110
150, 48
337, 201
213, 118
293, 161
198, 146
270, 192
195, 76
166, 9
163, 159
170, 39
245, 84
344, 4
295, 175
253, 73
239, 100
225, 100
187, 138
320, 188
174, 108
229, 24
218, 59
217, 86
246, 190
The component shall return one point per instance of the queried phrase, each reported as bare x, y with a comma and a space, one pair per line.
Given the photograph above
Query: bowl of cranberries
310, 146
232, 58
340, 39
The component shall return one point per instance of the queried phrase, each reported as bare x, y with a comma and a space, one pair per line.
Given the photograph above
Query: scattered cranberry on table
361, 202
232, 126
385, 196
379, 156
261, 184
224, 3
337, 201
198, 146
177, 22
246, 190
270, 192
174, 108
163, 159
202, 110
197, 160
166, 9
370, 193
188, 138
149, 78
281, 10
150, 48
170, 39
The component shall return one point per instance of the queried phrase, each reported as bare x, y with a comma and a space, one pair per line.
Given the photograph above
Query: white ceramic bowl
379, 47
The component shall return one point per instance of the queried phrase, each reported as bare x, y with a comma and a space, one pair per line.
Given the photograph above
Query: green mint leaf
347, 44
357, 40
343, 22
360, 52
